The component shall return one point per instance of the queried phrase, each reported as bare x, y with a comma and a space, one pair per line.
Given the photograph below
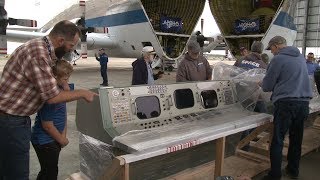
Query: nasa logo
246, 25
171, 23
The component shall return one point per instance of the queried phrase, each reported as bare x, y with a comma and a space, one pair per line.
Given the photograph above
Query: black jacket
140, 72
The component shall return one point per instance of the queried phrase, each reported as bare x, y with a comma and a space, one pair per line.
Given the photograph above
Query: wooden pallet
316, 123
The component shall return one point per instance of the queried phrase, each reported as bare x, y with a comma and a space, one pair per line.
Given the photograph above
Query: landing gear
72, 57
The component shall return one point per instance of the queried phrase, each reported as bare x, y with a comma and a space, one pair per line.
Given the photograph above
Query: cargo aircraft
243, 22
124, 27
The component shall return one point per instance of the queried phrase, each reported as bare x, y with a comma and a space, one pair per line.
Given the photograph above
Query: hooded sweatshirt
193, 69
287, 76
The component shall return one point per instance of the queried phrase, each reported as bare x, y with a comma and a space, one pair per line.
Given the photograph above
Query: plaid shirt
27, 80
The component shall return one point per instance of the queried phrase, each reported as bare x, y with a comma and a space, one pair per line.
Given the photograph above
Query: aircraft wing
94, 40
70, 13
22, 28
23, 36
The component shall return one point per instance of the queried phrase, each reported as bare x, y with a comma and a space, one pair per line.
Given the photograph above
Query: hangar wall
307, 19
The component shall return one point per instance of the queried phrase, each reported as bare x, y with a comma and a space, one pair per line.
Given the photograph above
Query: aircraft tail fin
282, 24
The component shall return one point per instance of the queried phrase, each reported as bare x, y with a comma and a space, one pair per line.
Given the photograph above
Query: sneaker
290, 175
104, 84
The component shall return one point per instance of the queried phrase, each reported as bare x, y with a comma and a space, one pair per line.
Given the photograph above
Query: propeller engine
81, 23
5, 21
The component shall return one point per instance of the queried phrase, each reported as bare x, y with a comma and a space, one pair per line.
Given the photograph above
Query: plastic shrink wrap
245, 83
95, 156
314, 105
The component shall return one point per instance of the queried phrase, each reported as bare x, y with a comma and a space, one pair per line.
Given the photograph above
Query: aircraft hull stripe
84, 55
3, 50
82, 3
125, 18
285, 20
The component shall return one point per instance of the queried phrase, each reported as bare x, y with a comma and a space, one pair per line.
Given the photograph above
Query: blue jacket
312, 67
287, 76
103, 59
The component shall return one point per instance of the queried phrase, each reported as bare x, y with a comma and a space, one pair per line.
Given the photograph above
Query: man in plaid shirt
26, 84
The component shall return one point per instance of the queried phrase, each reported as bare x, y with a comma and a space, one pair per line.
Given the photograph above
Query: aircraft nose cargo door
173, 23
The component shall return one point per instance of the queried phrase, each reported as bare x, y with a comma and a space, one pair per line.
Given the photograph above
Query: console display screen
147, 107
209, 99
183, 98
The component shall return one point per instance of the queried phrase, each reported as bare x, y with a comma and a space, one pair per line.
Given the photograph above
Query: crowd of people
35, 80
287, 77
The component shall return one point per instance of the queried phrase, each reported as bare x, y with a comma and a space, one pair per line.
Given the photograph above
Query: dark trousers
48, 155
288, 115
15, 134
104, 75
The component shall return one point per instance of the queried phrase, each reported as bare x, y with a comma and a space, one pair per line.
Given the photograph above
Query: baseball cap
148, 49
101, 49
276, 40
193, 47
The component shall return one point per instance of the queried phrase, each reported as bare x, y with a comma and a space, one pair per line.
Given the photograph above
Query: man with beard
27, 82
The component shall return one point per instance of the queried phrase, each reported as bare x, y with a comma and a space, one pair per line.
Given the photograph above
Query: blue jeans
104, 75
15, 134
288, 115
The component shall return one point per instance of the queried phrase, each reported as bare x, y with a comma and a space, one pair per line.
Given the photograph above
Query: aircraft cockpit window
209, 99
147, 107
183, 98
146, 44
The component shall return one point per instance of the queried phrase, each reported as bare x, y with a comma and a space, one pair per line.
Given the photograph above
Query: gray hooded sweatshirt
193, 69
287, 76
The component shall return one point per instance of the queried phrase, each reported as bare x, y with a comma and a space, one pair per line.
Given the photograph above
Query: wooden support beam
252, 156
126, 172
220, 148
254, 134
262, 142
115, 171
316, 123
